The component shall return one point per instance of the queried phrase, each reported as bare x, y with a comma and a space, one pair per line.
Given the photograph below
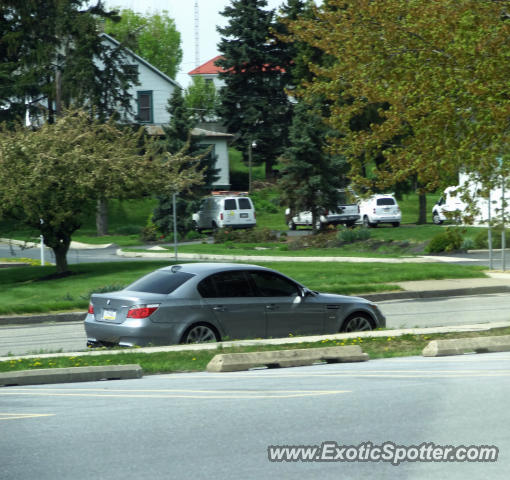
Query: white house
149, 103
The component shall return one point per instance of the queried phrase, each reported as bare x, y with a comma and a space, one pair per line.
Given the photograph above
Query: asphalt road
443, 311
207, 426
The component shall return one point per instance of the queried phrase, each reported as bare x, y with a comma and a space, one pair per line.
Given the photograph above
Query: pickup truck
346, 213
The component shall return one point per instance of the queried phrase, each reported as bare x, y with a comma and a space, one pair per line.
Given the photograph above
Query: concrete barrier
233, 362
70, 375
459, 346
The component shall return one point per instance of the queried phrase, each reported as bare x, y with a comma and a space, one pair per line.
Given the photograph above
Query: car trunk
113, 308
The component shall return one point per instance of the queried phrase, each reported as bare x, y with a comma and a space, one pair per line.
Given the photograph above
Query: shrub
150, 232
482, 241
351, 235
321, 240
251, 235
447, 241
467, 244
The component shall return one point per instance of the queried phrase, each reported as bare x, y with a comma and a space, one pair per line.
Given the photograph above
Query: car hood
333, 297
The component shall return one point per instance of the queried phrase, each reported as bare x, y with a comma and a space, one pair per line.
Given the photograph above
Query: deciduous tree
439, 72
52, 176
153, 36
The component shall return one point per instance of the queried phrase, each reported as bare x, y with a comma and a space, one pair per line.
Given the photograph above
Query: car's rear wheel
200, 333
291, 225
366, 223
358, 322
396, 224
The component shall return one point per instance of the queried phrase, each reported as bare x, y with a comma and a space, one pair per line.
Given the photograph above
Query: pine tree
253, 102
310, 176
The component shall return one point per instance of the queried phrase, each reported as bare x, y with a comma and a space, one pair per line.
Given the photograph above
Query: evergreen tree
253, 102
177, 137
310, 176
60, 59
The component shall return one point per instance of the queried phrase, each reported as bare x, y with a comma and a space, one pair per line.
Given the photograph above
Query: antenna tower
197, 36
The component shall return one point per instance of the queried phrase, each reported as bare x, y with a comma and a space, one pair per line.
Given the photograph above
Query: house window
131, 72
145, 114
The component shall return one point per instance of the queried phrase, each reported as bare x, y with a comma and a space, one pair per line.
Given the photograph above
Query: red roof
208, 68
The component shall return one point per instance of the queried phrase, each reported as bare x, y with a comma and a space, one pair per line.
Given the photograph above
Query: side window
272, 285
230, 204
244, 204
226, 285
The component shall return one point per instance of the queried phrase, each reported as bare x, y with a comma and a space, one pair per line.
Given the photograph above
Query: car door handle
272, 307
219, 308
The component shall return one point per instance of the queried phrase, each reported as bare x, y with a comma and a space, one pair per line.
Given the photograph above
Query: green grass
25, 290
185, 361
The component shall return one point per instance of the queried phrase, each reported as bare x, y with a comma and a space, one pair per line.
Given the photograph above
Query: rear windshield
230, 204
163, 282
244, 204
385, 201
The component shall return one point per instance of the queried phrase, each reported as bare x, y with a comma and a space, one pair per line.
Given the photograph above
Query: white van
225, 209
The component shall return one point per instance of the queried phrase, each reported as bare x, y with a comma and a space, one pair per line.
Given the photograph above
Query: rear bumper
131, 333
238, 225
340, 220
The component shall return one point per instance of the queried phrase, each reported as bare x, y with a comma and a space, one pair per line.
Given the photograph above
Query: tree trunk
422, 212
102, 217
60, 252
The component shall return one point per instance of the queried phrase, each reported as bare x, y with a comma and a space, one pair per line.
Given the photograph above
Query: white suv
380, 209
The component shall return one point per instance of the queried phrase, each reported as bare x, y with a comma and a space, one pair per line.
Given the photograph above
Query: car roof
211, 267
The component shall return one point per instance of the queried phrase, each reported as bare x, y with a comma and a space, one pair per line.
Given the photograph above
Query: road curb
235, 362
454, 292
460, 346
70, 375
50, 317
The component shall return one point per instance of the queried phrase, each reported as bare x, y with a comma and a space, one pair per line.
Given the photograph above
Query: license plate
244, 215
109, 315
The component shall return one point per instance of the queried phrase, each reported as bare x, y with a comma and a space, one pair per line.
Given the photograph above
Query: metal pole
249, 166
42, 250
174, 208
503, 266
490, 235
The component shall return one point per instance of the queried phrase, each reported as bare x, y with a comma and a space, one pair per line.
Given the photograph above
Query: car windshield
160, 281
385, 201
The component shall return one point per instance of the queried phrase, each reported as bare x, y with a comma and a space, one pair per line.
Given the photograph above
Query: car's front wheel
436, 219
358, 322
200, 333
291, 225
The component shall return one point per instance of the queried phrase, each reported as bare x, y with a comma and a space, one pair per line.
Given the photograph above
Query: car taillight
142, 311
221, 216
326, 212
375, 210
358, 209
91, 309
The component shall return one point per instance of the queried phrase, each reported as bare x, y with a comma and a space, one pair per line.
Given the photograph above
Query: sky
183, 12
